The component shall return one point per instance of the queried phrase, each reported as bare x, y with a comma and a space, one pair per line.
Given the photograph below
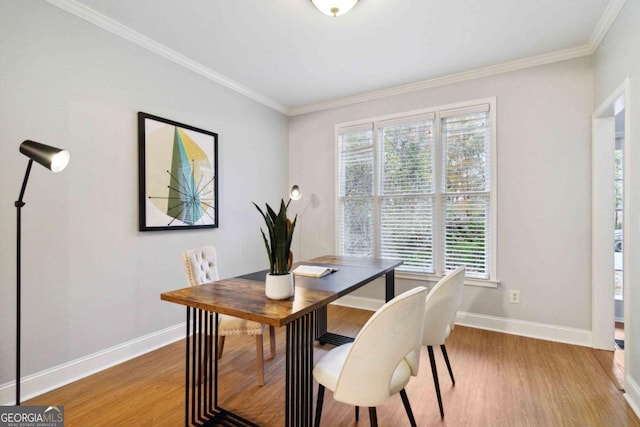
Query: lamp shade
52, 158
334, 7
295, 193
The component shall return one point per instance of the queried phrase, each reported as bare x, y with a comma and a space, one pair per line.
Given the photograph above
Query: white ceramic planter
279, 286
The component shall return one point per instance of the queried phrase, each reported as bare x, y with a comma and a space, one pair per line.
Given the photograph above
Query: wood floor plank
501, 380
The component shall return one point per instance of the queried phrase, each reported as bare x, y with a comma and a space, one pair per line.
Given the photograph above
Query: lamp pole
54, 159
19, 204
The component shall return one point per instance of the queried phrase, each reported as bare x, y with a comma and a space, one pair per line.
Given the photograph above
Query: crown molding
606, 20
534, 61
602, 27
114, 27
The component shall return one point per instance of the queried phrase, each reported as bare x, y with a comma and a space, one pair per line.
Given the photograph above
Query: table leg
186, 375
389, 285
201, 385
200, 382
321, 324
324, 337
299, 371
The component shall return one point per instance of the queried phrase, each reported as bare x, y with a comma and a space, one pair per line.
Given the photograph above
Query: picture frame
178, 175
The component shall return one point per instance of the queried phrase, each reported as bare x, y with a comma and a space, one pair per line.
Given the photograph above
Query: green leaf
280, 237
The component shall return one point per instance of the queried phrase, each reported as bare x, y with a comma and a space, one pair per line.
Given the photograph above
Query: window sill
484, 283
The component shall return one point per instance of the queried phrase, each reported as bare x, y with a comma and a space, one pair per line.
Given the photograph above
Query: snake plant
280, 235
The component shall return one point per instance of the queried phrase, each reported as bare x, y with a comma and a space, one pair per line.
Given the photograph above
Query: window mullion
438, 210
377, 188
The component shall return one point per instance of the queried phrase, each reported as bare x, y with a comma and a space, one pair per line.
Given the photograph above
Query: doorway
609, 173
618, 260
619, 185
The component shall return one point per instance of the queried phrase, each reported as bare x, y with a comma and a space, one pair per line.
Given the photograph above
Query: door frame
602, 249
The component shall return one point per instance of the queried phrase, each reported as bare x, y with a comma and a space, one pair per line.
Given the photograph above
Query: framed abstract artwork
178, 175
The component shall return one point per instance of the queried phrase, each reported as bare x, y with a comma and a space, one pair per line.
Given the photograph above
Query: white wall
544, 178
615, 60
90, 279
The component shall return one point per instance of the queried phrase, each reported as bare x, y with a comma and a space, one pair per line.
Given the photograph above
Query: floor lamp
56, 160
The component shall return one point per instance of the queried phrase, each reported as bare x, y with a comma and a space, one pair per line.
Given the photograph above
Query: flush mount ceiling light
334, 7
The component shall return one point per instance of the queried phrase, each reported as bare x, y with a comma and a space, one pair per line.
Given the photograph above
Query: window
420, 188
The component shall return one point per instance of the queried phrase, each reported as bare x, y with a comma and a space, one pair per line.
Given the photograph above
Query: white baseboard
49, 379
41, 382
499, 324
632, 394
524, 328
362, 303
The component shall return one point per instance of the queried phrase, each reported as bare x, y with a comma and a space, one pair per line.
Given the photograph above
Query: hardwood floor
613, 361
501, 380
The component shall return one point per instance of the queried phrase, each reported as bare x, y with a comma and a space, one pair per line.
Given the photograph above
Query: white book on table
313, 270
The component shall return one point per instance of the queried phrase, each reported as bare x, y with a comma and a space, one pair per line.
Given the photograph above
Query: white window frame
492, 281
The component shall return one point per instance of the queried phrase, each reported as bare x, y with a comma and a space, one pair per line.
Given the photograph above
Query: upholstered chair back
441, 307
201, 265
378, 352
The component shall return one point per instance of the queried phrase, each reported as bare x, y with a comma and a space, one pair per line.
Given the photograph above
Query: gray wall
90, 279
616, 59
544, 187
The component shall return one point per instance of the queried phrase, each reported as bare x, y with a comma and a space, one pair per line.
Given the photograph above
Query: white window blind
466, 192
356, 179
407, 193
419, 189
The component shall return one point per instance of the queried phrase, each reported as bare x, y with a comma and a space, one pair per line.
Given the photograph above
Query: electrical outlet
514, 297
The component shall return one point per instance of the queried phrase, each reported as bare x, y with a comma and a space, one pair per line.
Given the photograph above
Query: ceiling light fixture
334, 7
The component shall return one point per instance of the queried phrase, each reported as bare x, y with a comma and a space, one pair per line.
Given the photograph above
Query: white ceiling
288, 55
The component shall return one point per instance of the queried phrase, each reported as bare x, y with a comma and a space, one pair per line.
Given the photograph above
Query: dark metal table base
324, 337
201, 396
299, 371
222, 417
334, 339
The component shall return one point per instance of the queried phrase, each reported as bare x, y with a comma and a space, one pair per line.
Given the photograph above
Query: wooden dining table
304, 315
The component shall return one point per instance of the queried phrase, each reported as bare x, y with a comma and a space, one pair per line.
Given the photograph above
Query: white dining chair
201, 267
441, 307
380, 361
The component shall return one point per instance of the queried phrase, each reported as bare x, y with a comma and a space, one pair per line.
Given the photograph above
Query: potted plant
279, 280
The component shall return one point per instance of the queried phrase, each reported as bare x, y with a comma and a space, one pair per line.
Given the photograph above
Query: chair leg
357, 413
407, 407
220, 346
272, 340
373, 416
319, 405
259, 359
446, 359
434, 370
